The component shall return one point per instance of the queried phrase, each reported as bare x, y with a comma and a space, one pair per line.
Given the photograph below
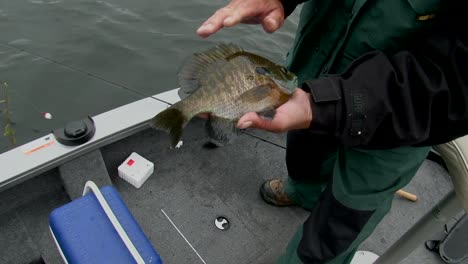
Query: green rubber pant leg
363, 180
307, 193
291, 257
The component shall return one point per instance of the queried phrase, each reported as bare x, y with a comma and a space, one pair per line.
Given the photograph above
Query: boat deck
191, 186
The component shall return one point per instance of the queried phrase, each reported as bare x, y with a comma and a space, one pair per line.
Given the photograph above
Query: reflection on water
51, 52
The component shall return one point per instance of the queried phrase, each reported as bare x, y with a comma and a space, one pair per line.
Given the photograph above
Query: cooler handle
91, 186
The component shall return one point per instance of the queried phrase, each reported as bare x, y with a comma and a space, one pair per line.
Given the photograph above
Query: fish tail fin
172, 120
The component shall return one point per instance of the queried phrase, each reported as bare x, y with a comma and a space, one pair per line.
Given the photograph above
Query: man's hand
269, 13
294, 114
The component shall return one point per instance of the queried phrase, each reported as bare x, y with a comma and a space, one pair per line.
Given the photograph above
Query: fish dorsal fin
198, 63
255, 94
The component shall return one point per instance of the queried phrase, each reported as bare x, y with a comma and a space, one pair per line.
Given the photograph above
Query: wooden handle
407, 195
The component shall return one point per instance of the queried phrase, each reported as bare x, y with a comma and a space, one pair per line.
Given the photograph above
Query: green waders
359, 180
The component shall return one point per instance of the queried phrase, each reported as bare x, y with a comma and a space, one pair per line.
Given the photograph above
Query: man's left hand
294, 114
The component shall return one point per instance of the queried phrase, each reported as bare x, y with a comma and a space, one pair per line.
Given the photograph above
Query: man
382, 81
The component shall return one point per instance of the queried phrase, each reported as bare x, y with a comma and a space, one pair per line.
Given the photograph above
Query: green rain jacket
331, 34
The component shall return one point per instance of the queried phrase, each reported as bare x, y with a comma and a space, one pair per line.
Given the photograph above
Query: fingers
268, 13
240, 14
273, 21
253, 120
211, 26
204, 116
247, 120
217, 20
206, 30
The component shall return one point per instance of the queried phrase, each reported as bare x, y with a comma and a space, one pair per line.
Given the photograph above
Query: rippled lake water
73, 58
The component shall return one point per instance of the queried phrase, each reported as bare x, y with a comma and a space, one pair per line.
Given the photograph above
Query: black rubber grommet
76, 132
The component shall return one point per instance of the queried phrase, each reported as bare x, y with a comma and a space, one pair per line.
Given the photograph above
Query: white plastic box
136, 170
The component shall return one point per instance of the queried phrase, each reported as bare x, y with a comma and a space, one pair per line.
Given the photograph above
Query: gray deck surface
194, 185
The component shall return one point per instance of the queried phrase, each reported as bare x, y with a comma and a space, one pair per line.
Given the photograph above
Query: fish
225, 82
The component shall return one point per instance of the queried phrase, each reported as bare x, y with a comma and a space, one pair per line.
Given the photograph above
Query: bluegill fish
225, 82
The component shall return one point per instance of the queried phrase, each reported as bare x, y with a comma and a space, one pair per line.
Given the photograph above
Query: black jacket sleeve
416, 97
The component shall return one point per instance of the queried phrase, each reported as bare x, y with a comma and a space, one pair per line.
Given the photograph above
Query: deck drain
222, 223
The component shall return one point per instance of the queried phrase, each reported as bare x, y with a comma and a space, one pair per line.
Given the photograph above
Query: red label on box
130, 162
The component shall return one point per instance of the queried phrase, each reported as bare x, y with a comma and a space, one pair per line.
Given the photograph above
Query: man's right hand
269, 13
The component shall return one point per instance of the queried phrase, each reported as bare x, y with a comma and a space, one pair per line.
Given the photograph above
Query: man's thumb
255, 121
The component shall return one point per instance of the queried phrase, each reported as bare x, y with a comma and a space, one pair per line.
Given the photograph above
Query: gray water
52, 50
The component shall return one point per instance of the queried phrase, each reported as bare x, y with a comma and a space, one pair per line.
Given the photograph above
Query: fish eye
262, 70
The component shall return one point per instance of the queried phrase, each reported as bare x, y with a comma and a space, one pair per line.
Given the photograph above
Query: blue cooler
99, 228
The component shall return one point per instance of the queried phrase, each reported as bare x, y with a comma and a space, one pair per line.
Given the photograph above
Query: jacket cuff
325, 95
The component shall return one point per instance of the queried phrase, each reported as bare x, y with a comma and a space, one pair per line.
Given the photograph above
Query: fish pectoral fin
187, 88
221, 131
255, 94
